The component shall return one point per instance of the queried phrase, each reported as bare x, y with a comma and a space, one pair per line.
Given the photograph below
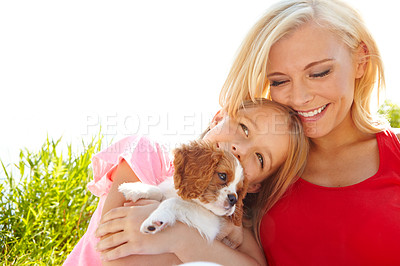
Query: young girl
317, 57
266, 137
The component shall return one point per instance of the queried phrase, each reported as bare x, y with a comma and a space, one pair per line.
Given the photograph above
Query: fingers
109, 227
144, 202
121, 218
112, 241
129, 203
115, 213
116, 253
119, 230
141, 202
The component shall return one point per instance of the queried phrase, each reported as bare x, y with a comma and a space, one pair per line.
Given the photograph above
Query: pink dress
151, 163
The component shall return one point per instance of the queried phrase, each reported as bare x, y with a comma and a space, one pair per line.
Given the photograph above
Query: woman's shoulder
393, 132
396, 131
389, 143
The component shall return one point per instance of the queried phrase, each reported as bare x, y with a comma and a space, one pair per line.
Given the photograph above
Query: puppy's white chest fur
172, 209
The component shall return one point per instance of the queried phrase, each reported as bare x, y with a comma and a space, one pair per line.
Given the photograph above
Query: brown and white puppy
206, 192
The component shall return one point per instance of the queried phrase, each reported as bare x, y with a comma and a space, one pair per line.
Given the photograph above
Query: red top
353, 225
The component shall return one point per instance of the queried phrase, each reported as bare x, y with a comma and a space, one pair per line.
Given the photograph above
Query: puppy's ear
195, 165
237, 216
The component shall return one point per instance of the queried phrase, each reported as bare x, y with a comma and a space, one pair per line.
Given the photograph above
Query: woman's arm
197, 249
123, 173
185, 242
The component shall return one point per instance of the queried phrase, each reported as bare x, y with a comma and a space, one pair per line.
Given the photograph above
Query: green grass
44, 204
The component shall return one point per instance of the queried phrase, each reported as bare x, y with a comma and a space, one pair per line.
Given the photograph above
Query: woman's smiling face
258, 137
313, 72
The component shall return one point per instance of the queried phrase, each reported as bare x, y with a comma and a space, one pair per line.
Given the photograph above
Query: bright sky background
152, 67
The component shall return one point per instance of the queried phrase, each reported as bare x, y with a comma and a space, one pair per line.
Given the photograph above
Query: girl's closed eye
320, 74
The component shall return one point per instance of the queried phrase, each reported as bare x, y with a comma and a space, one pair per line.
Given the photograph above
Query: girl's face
258, 137
313, 72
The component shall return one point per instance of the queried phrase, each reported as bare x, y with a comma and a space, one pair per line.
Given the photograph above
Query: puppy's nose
232, 199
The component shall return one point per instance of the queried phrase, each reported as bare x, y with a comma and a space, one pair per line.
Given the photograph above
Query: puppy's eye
222, 176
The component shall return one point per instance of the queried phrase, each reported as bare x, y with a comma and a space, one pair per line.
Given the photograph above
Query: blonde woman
317, 57
269, 142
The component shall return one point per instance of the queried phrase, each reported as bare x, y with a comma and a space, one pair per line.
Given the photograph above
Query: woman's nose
300, 94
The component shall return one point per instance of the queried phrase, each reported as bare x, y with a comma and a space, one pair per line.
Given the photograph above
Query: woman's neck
346, 133
343, 157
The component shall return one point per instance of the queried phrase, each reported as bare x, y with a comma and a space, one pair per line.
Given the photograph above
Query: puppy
206, 192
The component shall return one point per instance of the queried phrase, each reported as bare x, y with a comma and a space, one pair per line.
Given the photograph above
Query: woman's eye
260, 159
321, 74
222, 176
277, 83
245, 129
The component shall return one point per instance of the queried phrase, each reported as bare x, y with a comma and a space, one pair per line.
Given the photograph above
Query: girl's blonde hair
247, 78
274, 186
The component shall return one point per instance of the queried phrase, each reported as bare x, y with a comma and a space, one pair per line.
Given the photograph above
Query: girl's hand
120, 235
119, 230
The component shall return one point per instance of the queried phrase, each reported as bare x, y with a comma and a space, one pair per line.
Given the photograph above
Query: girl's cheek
248, 173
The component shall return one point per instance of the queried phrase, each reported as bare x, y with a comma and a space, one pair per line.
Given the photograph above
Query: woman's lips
313, 115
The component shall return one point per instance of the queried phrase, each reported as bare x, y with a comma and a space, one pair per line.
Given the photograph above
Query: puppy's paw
152, 227
131, 191
157, 221
235, 237
230, 243
137, 190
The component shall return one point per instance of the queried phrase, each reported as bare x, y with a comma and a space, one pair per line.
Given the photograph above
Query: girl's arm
179, 239
123, 173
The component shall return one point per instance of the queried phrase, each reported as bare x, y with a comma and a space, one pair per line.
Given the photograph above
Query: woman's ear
362, 57
217, 118
254, 188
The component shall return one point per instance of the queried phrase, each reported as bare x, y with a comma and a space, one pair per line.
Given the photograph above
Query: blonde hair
274, 186
247, 77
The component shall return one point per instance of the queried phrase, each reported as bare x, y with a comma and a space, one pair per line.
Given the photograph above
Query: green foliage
45, 208
391, 112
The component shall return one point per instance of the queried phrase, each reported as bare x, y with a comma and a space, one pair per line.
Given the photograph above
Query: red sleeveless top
353, 225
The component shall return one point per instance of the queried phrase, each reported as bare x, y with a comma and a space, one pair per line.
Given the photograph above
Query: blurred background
69, 68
